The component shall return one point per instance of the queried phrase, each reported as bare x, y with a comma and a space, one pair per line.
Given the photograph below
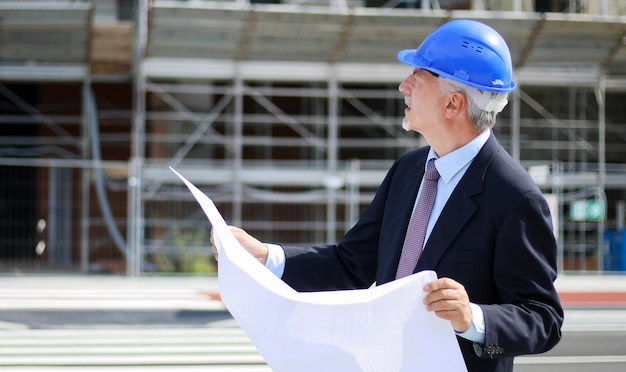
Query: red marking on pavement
567, 298
213, 296
593, 298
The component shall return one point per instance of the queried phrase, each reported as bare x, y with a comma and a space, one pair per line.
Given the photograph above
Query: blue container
614, 250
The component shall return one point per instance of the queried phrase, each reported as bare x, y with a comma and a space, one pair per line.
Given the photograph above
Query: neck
451, 141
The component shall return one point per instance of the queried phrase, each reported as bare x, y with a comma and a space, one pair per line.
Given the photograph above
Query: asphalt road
581, 351
48, 319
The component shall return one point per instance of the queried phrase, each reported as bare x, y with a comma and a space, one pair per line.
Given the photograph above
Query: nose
403, 87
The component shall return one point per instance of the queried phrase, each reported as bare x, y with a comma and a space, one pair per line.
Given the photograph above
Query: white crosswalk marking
131, 349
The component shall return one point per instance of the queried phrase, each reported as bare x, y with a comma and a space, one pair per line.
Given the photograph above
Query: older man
461, 207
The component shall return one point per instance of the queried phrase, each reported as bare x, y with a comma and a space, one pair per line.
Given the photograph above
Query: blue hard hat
466, 51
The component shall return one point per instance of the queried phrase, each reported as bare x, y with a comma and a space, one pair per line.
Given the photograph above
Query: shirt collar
451, 164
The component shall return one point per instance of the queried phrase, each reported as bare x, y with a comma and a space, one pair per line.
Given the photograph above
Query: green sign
587, 210
578, 210
595, 210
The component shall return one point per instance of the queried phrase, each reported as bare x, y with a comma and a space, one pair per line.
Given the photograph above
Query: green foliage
192, 253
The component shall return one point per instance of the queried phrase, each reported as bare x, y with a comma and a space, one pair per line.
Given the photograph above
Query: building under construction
286, 112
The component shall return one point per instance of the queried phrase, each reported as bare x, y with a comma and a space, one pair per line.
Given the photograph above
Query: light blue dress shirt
451, 169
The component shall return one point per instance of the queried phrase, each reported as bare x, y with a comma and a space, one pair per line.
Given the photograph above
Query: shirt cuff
275, 259
476, 331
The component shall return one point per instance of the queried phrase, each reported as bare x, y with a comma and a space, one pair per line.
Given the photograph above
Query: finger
433, 286
454, 311
442, 299
444, 305
441, 283
213, 246
456, 318
446, 289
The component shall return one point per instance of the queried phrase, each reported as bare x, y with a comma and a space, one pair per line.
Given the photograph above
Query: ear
455, 104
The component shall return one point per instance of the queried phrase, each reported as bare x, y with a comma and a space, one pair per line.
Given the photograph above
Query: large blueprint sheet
384, 328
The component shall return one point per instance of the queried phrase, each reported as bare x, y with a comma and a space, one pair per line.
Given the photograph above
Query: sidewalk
202, 293
109, 293
592, 290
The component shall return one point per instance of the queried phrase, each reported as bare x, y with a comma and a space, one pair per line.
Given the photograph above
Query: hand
449, 300
257, 249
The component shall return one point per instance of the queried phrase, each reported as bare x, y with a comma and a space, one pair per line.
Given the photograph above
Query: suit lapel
459, 208
398, 213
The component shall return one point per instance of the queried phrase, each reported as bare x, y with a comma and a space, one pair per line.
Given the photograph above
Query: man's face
420, 91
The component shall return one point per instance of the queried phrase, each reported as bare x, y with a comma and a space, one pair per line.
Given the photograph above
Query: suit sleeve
350, 264
530, 315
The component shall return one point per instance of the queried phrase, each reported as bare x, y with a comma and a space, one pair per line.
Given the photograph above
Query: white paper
385, 328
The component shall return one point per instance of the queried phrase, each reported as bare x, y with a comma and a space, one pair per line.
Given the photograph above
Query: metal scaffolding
288, 114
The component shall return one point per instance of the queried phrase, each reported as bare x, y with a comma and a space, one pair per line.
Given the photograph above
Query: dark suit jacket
494, 236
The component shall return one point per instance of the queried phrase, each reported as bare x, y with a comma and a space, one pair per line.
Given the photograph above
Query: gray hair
482, 106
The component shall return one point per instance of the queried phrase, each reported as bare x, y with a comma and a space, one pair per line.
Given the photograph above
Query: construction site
286, 113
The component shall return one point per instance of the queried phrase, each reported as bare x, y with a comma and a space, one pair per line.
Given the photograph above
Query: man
488, 234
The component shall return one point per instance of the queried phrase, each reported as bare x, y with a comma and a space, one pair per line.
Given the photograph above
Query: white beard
406, 126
